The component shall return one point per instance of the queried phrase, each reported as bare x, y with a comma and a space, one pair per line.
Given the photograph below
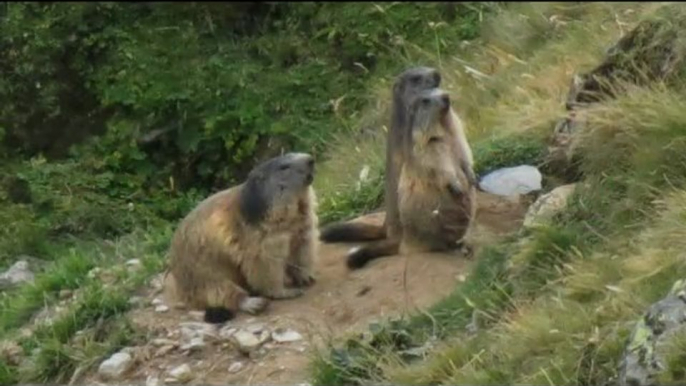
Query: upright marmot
239, 246
407, 86
437, 186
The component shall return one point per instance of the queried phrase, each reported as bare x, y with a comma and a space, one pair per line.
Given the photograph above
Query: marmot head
277, 181
413, 81
429, 120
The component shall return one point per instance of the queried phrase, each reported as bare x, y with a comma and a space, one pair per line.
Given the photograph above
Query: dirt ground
341, 302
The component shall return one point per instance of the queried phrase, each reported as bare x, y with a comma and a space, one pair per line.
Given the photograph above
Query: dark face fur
427, 116
415, 80
278, 180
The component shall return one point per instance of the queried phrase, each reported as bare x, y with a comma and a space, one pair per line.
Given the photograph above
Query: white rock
281, 335
163, 342
255, 328
248, 341
161, 308
227, 332
190, 330
512, 181
164, 350
196, 343
152, 381
115, 366
134, 263
236, 367
18, 273
181, 373
548, 205
156, 302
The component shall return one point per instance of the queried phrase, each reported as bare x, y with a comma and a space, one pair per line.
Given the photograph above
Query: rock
156, 302
248, 341
11, 353
648, 347
17, 274
196, 343
190, 330
164, 350
161, 308
115, 366
512, 181
281, 335
181, 373
152, 381
548, 205
227, 332
163, 342
135, 300
134, 264
236, 367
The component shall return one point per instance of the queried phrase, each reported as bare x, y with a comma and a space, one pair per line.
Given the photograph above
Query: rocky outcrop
653, 51
647, 353
546, 206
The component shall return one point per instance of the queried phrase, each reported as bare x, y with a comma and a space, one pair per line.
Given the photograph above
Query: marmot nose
445, 101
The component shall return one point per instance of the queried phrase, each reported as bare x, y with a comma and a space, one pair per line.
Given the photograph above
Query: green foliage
508, 150
188, 92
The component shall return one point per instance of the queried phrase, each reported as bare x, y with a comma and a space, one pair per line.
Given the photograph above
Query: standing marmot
437, 185
239, 246
407, 86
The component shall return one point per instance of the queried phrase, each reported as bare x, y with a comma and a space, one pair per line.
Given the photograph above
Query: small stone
163, 342
136, 300
227, 332
17, 274
190, 330
181, 373
196, 343
248, 342
133, 262
461, 278
236, 367
548, 205
152, 381
281, 335
255, 328
161, 308
156, 302
164, 350
11, 352
65, 293
115, 366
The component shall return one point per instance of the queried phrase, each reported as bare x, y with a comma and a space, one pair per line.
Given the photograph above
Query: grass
554, 305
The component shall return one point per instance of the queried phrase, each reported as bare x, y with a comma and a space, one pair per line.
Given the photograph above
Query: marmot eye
435, 139
284, 167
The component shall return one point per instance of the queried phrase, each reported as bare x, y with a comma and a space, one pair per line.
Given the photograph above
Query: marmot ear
253, 204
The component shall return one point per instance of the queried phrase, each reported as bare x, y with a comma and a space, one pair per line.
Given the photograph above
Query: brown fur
219, 259
407, 86
437, 192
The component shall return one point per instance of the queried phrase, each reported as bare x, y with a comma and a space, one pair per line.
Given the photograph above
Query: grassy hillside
163, 105
554, 304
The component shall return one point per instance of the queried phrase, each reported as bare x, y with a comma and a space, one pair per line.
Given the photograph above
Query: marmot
239, 246
405, 89
437, 186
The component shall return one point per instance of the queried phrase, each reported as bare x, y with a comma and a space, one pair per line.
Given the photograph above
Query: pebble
236, 367
115, 366
161, 308
281, 335
181, 373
